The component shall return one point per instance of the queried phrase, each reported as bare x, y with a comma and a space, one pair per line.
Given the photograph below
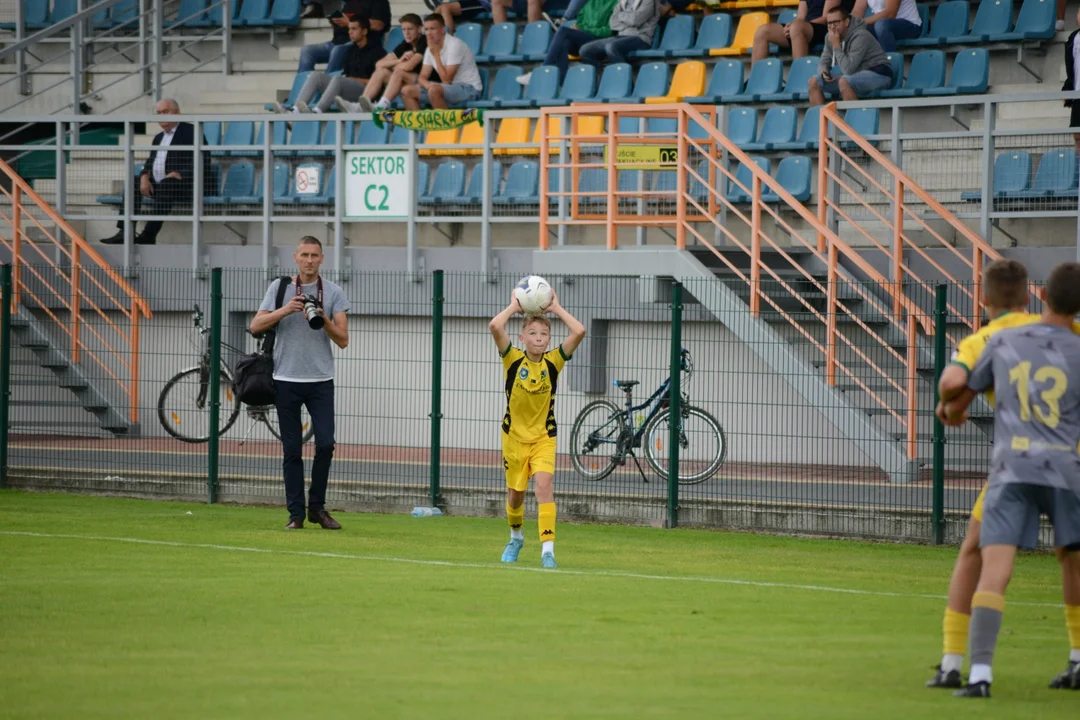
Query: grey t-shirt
300, 353
1035, 373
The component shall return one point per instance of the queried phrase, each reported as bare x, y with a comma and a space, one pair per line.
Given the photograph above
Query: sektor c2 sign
377, 184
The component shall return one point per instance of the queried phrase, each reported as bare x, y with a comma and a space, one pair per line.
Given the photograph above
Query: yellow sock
1072, 622
955, 631
992, 600
515, 516
546, 518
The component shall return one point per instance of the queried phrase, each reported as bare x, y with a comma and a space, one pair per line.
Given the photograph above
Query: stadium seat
512, 131
253, 12
124, 13
236, 133
283, 12
808, 132
136, 171
448, 185
678, 36
329, 136
1012, 174
726, 81
950, 20
652, 81
188, 13
62, 9
924, 15
293, 197
393, 38
535, 39
1034, 22
715, 33
239, 182
543, 87
688, 81
35, 17
102, 19
399, 136
744, 35
614, 83
1056, 177
472, 35
578, 85
278, 139
864, 121
368, 133
439, 137
592, 180
212, 133
501, 42
765, 78
303, 133
798, 82
970, 73
993, 17
927, 72
745, 177
471, 134
741, 125
327, 194
505, 87
778, 127
423, 178
897, 61
297, 86
522, 185
793, 174
474, 193
212, 18
254, 196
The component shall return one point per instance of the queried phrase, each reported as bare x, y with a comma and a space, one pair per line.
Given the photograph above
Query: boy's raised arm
497, 326
577, 330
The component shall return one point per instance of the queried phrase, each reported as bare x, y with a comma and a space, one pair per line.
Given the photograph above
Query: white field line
501, 567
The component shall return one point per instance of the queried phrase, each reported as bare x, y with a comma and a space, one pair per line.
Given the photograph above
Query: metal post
485, 204
674, 406
226, 37
144, 53
410, 226
76, 66
937, 518
129, 195
20, 56
268, 195
989, 120
5, 366
215, 384
339, 207
565, 124
437, 302
197, 200
61, 171
156, 28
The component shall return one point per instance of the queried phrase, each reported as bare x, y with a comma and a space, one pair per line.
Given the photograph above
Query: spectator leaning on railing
452, 60
854, 48
397, 69
890, 20
360, 64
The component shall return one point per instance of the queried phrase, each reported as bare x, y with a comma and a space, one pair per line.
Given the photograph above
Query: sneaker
1069, 679
301, 107
345, 106
512, 550
280, 109
524, 79
1059, 25
365, 104
974, 690
945, 679
548, 560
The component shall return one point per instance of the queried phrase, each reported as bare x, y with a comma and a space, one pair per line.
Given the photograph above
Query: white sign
306, 181
377, 184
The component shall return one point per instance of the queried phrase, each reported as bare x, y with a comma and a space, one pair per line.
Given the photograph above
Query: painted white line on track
500, 566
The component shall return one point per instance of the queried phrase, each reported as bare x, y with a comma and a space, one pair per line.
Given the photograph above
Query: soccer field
133, 609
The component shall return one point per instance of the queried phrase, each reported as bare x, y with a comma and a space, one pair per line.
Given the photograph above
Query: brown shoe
323, 518
295, 524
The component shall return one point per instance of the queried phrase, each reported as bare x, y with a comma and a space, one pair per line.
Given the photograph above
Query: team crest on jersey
524, 373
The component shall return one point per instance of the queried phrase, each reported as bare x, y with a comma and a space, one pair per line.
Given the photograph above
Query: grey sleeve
824, 65
981, 376
270, 297
858, 50
340, 303
644, 13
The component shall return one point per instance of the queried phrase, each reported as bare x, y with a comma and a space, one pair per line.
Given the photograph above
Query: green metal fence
420, 397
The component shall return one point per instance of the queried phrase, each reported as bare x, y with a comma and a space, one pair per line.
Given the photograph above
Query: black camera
311, 311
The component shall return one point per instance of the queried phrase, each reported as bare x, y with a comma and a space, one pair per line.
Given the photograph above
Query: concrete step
263, 81
238, 97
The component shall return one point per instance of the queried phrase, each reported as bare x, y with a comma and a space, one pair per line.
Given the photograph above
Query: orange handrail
118, 350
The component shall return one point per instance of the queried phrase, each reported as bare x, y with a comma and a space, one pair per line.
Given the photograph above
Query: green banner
429, 119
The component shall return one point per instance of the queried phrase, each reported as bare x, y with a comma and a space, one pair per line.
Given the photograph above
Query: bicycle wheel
184, 405
593, 439
268, 415
702, 445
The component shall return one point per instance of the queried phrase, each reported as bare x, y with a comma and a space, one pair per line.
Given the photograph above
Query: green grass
97, 628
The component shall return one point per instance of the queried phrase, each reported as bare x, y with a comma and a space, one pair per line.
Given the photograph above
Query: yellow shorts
976, 510
523, 460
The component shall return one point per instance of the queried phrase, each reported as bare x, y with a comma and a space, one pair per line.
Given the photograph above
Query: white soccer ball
533, 294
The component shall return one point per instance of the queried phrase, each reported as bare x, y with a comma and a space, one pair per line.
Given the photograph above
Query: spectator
806, 31
532, 9
890, 20
167, 177
314, 8
396, 69
458, 79
333, 52
852, 46
360, 62
633, 23
1072, 77
593, 23
466, 9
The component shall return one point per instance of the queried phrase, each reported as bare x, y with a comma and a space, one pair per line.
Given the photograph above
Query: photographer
311, 314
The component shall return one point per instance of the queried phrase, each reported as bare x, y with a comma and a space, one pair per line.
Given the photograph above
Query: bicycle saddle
626, 384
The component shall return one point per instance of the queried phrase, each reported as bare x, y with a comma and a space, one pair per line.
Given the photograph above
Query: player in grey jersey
1035, 374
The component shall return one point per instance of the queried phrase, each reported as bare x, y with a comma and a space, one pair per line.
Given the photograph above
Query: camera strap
271, 334
300, 292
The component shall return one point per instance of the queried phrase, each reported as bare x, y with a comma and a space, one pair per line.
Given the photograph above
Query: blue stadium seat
578, 85
239, 182
136, 171
236, 133
255, 194
715, 32
283, 12
1055, 178
293, 197
448, 186
777, 127
399, 136
678, 36
253, 12
741, 125
1034, 22
726, 81
793, 174
212, 133
212, 18
189, 12
614, 83
393, 38
423, 178
522, 185
504, 88
765, 78
897, 61
786, 18
329, 136
924, 16
370, 134
471, 34
543, 87
35, 17
474, 193
124, 13
993, 17
808, 132
102, 19
864, 121
62, 9
1012, 174
970, 73
501, 41
950, 20
282, 180
297, 86
279, 138
535, 39
652, 81
745, 176
592, 180
927, 72
304, 133
327, 194
798, 82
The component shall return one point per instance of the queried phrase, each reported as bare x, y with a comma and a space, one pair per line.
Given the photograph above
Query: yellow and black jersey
530, 393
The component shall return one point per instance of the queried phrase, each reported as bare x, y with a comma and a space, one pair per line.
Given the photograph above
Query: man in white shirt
459, 80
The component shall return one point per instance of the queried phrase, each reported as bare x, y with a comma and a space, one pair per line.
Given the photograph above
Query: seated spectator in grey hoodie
852, 46
633, 23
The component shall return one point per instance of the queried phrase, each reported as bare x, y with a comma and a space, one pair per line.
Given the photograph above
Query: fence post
437, 302
215, 384
674, 406
937, 518
5, 367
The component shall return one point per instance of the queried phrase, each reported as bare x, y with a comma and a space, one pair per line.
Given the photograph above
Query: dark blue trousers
318, 397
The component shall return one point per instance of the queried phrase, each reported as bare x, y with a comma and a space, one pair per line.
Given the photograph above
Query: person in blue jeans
850, 45
333, 51
890, 20
633, 23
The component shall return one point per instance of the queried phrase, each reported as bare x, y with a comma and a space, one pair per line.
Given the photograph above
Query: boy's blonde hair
533, 319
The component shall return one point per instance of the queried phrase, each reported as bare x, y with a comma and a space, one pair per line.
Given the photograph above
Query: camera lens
311, 312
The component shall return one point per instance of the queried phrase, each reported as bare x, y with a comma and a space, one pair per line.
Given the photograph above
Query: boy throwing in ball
531, 377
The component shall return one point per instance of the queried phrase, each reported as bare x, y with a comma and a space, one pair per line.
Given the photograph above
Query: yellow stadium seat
783, 3
472, 134
744, 34
440, 137
689, 81
754, 4
512, 131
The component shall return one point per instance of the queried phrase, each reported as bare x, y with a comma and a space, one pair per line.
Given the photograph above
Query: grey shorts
454, 94
1011, 515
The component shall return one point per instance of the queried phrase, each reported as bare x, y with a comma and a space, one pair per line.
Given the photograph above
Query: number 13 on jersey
1020, 376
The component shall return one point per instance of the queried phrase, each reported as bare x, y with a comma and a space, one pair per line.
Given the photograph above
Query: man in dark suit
167, 177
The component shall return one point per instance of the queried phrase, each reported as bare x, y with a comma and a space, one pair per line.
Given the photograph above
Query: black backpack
253, 376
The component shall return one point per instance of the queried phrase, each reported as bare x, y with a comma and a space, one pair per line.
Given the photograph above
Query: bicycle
596, 452
182, 404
